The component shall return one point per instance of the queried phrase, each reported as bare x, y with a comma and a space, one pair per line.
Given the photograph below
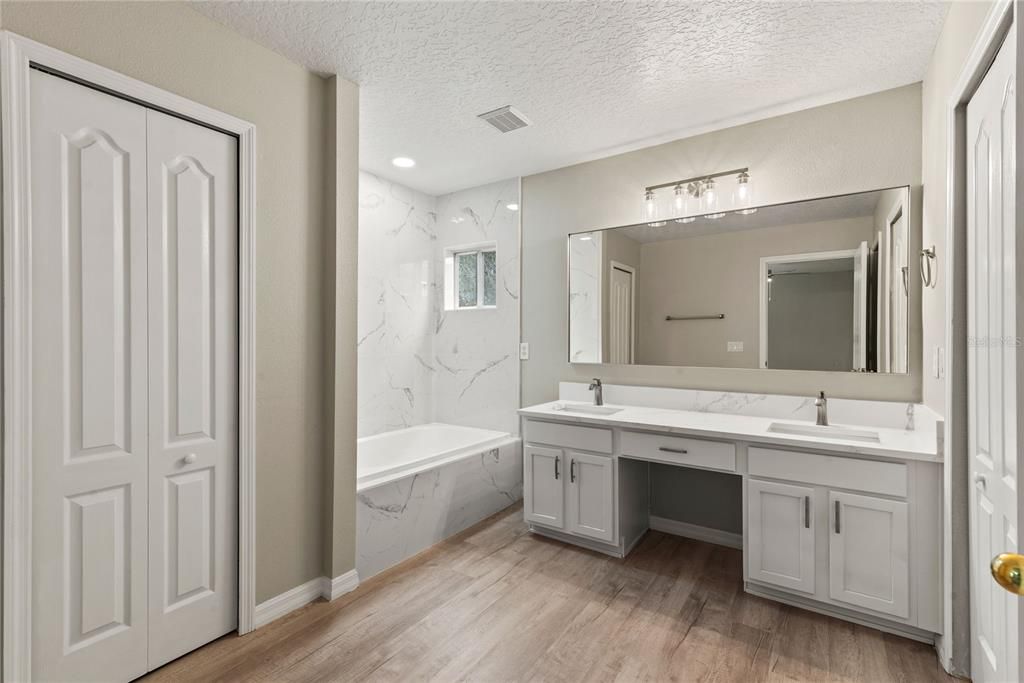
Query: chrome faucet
598, 390
821, 403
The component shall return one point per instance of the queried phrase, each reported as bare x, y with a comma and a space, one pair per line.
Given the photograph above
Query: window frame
452, 290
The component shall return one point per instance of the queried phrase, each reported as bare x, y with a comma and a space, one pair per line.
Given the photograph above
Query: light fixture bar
735, 171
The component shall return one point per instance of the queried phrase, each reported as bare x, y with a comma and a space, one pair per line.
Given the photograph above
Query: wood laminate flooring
496, 603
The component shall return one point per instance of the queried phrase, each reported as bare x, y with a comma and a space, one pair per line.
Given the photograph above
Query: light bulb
709, 200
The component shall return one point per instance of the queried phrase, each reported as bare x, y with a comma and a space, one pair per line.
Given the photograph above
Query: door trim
17, 56
954, 644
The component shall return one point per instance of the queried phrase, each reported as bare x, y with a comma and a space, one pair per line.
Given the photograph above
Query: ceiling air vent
505, 119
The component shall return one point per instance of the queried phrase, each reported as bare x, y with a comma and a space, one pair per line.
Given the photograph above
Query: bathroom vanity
840, 520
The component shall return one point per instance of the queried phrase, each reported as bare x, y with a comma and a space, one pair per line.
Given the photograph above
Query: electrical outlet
524, 350
734, 347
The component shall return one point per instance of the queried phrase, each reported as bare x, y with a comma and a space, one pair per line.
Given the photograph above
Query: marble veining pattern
419, 363
585, 298
400, 518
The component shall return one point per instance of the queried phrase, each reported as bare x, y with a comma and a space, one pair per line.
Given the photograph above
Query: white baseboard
286, 602
694, 531
300, 596
339, 585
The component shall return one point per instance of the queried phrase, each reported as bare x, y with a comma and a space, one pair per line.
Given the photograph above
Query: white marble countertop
893, 443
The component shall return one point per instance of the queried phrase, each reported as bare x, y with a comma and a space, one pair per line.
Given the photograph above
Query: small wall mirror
815, 285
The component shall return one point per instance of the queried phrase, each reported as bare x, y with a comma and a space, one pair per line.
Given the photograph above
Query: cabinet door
780, 531
543, 488
868, 546
592, 496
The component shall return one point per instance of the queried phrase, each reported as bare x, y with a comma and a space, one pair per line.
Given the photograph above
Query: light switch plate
524, 350
734, 347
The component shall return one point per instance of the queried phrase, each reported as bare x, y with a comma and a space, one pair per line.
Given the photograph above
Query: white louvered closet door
133, 325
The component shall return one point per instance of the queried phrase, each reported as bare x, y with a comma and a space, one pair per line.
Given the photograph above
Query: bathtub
420, 485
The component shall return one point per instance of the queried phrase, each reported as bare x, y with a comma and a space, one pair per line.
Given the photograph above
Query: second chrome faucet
596, 387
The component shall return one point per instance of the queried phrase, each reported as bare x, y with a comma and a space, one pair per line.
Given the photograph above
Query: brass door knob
1008, 571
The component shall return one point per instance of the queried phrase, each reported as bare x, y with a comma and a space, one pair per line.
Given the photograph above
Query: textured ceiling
593, 77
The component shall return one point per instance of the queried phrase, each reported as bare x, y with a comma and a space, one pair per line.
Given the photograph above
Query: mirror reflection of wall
839, 299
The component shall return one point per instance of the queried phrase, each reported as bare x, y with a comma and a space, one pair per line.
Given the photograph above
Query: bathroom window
471, 279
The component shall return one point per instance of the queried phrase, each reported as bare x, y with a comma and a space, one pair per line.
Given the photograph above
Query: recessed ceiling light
403, 162
512, 207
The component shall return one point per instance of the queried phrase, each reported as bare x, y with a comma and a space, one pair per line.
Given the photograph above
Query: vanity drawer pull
666, 449
557, 460
807, 512
838, 507
572, 471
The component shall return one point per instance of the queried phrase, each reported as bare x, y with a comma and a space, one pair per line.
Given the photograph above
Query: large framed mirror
823, 284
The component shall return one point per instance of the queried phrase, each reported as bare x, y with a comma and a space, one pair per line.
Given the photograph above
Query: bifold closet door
193, 405
89, 378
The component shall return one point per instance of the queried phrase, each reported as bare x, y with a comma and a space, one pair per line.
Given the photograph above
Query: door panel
621, 334
868, 553
544, 490
993, 297
193, 383
89, 402
780, 535
592, 496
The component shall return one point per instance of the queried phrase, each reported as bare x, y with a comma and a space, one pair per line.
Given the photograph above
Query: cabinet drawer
594, 439
680, 450
887, 478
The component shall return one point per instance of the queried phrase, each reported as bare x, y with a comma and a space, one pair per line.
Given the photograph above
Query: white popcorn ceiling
594, 78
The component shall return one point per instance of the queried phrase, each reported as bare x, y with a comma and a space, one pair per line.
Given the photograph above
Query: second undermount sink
586, 408
827, 431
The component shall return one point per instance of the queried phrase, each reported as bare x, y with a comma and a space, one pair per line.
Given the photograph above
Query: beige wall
861, 144
720, 273
958, 34
175, 48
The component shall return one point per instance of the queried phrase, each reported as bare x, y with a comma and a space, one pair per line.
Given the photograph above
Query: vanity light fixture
403, 162
699, 196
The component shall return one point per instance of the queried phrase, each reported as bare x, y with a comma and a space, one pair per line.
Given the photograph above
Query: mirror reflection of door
813, 310
621, 314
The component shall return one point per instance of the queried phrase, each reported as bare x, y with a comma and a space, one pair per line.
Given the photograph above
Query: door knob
980, 479
1008, 571
189, 459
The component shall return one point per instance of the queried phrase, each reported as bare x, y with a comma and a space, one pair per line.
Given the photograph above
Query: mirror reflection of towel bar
712, 316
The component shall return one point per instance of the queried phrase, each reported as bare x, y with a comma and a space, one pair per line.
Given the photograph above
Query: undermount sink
586, 408
827, 431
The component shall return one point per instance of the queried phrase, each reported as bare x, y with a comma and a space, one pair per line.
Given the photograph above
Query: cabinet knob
189, 459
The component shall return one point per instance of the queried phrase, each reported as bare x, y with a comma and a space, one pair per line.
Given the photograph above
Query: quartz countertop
892, 443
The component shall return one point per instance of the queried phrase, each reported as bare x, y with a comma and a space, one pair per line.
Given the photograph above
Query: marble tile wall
476, 352
417, 362
397, 238
398, 519
585, 298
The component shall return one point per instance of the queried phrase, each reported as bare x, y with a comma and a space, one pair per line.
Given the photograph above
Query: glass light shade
743, 196
680, 201
709, 200
652, 210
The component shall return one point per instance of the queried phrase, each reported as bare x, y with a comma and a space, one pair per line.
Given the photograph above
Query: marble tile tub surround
417, 362
881, 414
398, 519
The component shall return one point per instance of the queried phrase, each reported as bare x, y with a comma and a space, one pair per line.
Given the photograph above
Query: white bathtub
392, 455
420, 485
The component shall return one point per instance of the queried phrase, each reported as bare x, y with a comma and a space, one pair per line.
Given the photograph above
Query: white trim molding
300, 596
696, 532
17, 56
339, 585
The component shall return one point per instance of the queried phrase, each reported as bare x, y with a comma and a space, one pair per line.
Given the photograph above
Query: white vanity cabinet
569, 481
843, 531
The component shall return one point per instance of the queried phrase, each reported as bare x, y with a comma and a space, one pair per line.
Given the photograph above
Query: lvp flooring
496, 603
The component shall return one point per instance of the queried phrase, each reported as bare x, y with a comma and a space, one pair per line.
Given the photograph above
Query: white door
780, 535
899, 293
860, 306
133, 332
543, 486
592, 496
89, 402
993, 298
193, 407
620, 303
868, 551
